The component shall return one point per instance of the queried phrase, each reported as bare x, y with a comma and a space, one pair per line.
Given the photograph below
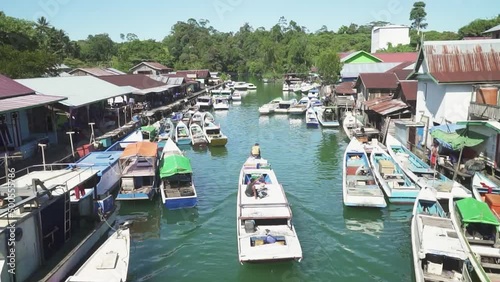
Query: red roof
345, 88
465, 61
400, 70
397, 57
139, 81
11, 88
201, 74
409, 89
28, 101
378, 80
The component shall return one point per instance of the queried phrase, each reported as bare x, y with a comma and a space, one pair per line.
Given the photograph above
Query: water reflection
295, 122
218, 152
146, 218
367, 221
181, 216
220, 114
264, 120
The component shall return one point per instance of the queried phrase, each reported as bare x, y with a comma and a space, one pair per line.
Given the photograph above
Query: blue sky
154, 19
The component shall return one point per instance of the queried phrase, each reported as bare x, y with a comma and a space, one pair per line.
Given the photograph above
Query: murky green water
338, 243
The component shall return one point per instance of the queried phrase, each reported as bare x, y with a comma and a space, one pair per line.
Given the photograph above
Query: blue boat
176, 178
423, 175
109, 174
138, 163
396, 185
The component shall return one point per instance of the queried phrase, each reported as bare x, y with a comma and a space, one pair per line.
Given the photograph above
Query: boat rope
103, 218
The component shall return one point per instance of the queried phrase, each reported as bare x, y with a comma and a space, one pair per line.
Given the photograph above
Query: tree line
33, 49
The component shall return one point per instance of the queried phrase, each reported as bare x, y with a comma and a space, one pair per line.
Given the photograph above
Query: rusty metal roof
385, 105
463, 60
382, 80
345, 88
378, 100
409, 89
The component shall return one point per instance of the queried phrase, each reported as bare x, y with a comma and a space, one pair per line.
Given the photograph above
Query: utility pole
42, 146
70, 133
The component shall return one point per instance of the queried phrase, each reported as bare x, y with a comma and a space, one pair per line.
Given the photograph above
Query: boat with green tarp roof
176, 178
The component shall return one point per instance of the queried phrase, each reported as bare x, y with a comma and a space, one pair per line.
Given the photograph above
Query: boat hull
329, 123
81, 252
180, 203
184, 141
218, 142
312, 125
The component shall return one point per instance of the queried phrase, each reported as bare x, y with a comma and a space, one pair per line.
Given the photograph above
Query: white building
448, 74
394, 34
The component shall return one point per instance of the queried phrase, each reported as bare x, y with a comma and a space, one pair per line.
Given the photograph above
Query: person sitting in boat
255, 152
251, 190
270, 239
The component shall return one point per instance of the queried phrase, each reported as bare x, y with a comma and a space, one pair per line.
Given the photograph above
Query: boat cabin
365, 134
478, 222
138, 163
149, 133
176, 176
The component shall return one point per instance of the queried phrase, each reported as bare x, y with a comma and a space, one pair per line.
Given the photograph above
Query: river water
338, 243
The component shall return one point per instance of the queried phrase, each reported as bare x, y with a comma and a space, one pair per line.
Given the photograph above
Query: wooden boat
484, 184
283, 106
138, 164
182, 135
197, 117
396, 185
63, 199
423, 175
311, 118
367, 136
176, 179
350, 122
221, 104
167, 130
197, 136
265, 231
360, 187
270, 107
214, 135
109, 262
438, 254
477, 228
327, 116
299, 108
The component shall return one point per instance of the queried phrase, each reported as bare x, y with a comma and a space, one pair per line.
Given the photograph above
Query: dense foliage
31, 49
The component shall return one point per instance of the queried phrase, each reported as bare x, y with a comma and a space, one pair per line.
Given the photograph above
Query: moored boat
396, 185
438, 254
359, 185
240, 85
214, 135
236, 96
182, 135
350, 122
284, 106
221, 104
299, 108
167, 130
204, 102
423, 175
176, 179
311, 118
138, 163
108, 263
197, 136
251, 86
484, 184
327, 116
270, 107
265, 231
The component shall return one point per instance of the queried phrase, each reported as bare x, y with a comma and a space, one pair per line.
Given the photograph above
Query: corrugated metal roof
493, 29
402, 71
139, 81
345, 88
175, 80
94, 71
80, 90
198, 73
11, 88
376, 101
353, 70
383, 80
27, 101
463, 60
385, 106
409, 89
397, 57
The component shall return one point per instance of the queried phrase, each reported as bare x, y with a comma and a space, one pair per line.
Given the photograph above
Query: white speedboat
182, 135
197, 136
240, 85
236, 96
284, 106
265, 231
204, 102
176, 179
299, 108
215, 91
110, 262
397, 186
350, 122
270, 107
311, 118
251, 86
327, 116
438, 254
221, 104
225, 93
286, 87
359, 185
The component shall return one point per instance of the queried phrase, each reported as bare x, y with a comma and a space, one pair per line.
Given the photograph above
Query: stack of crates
385, 167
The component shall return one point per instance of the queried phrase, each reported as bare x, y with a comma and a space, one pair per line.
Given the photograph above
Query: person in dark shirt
251, 191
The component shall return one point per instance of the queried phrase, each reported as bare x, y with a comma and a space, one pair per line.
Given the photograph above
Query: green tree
417, 16
98, 48
478, 26
329, 66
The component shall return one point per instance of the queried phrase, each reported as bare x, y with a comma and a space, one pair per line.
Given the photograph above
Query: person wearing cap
255, 152
251, 191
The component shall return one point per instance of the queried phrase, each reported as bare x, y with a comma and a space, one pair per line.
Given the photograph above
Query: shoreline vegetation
33, 49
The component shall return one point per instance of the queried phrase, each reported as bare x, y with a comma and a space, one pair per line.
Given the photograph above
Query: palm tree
42, 23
